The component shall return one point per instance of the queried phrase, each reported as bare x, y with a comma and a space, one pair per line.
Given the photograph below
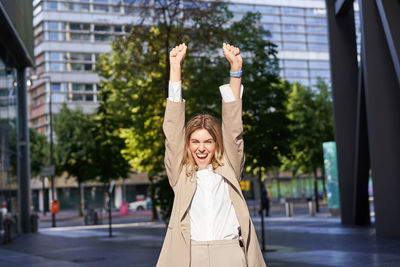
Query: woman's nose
201, 147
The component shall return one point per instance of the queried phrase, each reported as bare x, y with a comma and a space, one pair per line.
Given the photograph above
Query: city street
299, 241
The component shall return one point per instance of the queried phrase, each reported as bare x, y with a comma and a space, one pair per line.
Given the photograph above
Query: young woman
210, 224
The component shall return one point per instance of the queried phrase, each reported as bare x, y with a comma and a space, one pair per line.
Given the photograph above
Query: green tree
132, 89
75, 146
310, 111
108, 161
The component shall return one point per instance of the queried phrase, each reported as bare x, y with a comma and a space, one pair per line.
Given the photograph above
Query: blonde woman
210, 224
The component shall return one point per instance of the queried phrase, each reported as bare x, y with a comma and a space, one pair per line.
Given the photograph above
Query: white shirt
212, 215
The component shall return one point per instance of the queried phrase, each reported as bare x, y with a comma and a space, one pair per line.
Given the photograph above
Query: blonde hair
211, 124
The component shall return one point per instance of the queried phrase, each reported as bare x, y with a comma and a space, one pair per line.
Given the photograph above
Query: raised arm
174, 118
232, 54
232, 126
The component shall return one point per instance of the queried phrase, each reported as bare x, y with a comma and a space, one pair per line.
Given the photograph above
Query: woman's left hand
232, 54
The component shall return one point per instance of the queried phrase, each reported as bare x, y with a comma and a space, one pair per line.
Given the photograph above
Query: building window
296, 72
77, 97
316, 29
56, 97
56, 87
292, 11
318, 21
320, 73
241, 8
317, 38
294, 46
79, 26
318, 47
88, 87
102, 28
51, 25
50, 5
293, 28
77, 87
79, 37
267, 9
314, 64
102, 37
89, 98
294, 37
100, 8
55, 66
321, 12
295, 64
269, 19
53, 36
292, 20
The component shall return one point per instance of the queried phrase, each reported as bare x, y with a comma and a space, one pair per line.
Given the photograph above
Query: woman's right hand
177, 55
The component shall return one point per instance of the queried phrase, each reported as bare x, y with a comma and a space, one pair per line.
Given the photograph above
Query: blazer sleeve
174, 131
232, 134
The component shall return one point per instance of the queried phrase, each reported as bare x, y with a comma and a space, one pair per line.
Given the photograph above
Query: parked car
140, 204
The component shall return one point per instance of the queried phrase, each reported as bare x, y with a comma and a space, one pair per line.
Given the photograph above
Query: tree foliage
310, 110
75, 146
106, 155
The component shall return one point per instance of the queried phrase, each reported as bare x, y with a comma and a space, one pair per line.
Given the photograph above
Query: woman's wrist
236, 67
175, 73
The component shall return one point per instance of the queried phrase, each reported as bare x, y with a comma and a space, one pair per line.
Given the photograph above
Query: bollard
34, 223
311, 208
88, 219
8, 224
98, 217
289, 208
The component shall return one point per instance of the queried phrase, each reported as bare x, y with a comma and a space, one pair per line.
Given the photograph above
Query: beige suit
175, 251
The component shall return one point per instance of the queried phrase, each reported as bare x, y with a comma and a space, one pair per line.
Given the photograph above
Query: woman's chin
202, 165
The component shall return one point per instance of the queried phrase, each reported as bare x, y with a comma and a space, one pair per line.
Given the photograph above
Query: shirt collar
209, 168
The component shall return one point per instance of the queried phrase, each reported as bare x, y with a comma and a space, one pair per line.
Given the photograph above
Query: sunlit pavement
299, 241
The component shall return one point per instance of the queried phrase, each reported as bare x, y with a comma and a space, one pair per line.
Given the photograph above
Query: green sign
331, 174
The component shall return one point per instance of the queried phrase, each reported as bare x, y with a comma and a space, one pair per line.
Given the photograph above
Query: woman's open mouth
201, 156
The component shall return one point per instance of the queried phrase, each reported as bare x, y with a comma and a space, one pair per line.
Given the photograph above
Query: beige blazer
175, 251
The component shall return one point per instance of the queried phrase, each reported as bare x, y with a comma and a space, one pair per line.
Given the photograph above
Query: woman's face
202, 146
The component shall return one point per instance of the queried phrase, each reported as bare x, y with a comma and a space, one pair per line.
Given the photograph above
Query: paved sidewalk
299, 241
71, 218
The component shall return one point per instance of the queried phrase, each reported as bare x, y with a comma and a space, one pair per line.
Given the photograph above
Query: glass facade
295, 29
8, 133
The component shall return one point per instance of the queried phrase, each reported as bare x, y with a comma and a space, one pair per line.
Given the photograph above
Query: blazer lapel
227, 172
189, 188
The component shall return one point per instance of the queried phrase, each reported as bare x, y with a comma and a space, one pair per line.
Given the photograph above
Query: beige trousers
219, 253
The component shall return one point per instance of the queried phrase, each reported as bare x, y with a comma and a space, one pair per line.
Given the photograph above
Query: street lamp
50, 169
